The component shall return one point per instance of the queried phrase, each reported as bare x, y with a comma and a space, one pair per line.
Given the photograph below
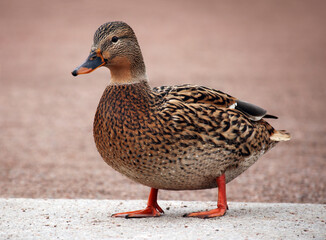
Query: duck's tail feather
280, 135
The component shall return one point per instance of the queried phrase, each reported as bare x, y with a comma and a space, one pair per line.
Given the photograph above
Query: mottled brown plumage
173, 137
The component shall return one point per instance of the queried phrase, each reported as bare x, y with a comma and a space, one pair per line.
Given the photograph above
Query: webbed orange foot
149, 211
221, 202
218, 212
152, 209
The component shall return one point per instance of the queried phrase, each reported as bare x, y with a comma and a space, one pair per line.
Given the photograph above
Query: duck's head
115, 46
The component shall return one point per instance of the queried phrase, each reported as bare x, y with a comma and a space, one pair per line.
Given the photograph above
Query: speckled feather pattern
176, 137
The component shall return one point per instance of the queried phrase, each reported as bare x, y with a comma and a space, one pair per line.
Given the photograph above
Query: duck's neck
128, 72
135, 96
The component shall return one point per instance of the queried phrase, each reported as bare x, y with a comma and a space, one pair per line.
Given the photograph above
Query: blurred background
271, 53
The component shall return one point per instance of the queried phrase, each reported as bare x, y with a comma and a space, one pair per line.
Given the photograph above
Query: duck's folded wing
195, 94
199, 94
254, 112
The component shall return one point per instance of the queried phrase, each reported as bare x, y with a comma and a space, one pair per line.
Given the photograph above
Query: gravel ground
271, 53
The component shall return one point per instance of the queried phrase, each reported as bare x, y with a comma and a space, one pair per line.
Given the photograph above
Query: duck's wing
252, 111
199, 94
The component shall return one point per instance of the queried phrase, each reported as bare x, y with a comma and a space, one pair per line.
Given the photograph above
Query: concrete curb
90, 219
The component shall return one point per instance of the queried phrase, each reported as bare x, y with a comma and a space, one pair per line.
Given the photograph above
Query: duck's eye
115, 39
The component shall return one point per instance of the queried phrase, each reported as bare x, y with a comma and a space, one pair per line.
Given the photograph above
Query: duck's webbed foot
221, 202
218, 212
152, 209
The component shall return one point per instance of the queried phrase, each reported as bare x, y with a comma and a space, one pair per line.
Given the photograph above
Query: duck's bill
94, 61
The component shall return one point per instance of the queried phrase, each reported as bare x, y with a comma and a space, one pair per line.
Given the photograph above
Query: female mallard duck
183, 137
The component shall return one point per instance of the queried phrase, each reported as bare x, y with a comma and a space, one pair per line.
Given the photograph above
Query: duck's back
177, 138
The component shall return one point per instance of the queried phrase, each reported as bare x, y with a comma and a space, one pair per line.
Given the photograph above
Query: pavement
25, 218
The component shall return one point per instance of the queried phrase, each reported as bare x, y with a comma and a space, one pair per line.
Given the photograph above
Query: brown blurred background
271, 53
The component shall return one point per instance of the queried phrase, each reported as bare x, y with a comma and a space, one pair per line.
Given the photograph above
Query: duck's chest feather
120, 107
122, 127
122, 114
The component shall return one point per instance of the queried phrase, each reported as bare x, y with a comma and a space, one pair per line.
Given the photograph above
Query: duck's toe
218, 212
149, 211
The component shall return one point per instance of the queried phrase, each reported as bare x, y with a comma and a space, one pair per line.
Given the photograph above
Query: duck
183, 137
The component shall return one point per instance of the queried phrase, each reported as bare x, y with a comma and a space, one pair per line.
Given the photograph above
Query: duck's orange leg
152, 209
221, 202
